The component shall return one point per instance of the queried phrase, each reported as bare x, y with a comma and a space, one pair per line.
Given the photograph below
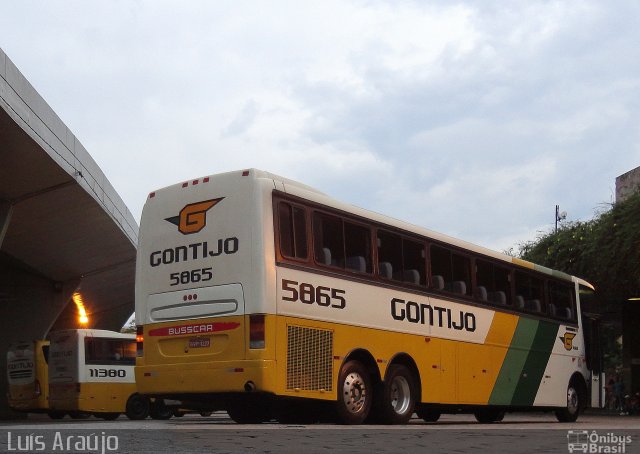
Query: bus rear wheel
354, 393
574, 404
137, 407
398, 395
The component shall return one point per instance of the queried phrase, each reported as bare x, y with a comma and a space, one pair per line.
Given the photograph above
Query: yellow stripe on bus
481, 365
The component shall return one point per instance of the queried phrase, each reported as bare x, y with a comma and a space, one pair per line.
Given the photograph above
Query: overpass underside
63, 228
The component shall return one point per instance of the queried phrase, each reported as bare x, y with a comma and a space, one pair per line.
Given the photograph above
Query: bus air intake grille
309, 359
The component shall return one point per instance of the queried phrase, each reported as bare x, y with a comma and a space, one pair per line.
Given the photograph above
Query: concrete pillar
29, 305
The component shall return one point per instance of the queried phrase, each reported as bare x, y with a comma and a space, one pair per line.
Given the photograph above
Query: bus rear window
110, 351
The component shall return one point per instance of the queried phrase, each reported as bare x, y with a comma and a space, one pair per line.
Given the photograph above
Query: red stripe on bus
197, 328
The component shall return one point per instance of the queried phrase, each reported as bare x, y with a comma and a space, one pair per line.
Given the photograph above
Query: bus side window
560, 300
389, 255
413, 254
461, 282
492, 283
529, 293
357, 247
293, 231
440, 267
328, 240
450, 272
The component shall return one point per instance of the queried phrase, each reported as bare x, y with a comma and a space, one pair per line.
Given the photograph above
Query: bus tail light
38, 389
256, 331
139, 340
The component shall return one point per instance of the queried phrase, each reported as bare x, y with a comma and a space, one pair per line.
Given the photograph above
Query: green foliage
604, 251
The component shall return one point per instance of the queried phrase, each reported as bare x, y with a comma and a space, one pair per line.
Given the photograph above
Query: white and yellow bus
27, 376
265, 297
91, 372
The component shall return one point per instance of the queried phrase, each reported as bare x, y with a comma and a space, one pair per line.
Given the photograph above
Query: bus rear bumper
205, 378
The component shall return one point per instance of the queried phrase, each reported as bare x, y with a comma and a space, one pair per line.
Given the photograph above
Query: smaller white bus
27, 376
91, 372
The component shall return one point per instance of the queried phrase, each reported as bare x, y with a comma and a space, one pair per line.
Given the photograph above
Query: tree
604, 251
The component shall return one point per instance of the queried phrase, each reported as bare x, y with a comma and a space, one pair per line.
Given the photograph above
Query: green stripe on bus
514, 362
534, 367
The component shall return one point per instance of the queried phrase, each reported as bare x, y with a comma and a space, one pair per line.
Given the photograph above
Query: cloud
470, 118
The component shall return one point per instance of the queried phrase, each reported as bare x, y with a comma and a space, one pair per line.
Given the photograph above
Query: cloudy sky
470, 118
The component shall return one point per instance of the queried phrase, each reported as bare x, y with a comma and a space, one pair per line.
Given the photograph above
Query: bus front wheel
137, 407
574, 404
398, 395
354, 393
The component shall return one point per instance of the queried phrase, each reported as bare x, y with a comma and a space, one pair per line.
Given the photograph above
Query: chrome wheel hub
354, 392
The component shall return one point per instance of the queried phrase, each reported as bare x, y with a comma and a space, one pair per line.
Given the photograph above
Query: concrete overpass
63, 227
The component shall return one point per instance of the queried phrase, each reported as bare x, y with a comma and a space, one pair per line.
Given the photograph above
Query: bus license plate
199, 342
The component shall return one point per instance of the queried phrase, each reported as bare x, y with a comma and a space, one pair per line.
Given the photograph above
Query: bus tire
427, 414
354, 393
108, 416
160, 411
489, 415
56, 414
574, 404
137, 407
398, 395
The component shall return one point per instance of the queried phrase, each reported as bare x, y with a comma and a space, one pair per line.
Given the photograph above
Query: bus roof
298, 189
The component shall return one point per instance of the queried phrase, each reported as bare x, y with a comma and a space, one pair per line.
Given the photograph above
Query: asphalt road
526, 433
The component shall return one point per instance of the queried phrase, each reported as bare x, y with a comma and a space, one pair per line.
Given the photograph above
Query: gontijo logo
193, 217
567, 340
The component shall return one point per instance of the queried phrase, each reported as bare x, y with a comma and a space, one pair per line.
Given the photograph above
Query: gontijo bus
27, 376
249, 285
91, 371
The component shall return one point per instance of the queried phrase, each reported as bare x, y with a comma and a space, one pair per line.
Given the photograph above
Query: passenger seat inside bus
481, 293
412, 276
459, 287
437, 282
326, 256
386, 270
357, 263
498, 297
534, 305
